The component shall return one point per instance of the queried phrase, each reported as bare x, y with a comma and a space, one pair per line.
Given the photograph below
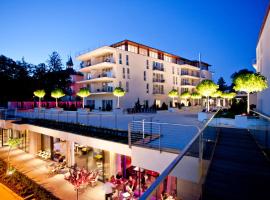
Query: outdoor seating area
44, 154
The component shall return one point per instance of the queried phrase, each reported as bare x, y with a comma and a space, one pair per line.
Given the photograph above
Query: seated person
119, 175
112, 180
129, 189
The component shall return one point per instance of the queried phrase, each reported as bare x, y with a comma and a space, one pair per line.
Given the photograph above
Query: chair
94, 181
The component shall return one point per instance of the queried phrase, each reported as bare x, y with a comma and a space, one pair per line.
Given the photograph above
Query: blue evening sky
224, 31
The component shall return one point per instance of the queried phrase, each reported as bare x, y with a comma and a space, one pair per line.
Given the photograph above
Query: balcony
188, 84
104, 90
190, 75
158, 92
103, 63
158, 68
158, 80
103, 77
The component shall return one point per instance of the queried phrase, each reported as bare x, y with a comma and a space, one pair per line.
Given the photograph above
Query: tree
216, 94
78, 177
173, 94
250, 82
12, 143
206, 88
195, 95
222, 84
57, 93
118, 92
40, 94
228, 95
185, 95
83, 93
54, 62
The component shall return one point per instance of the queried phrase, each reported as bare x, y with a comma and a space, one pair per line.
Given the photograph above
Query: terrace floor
239, 169
36, 169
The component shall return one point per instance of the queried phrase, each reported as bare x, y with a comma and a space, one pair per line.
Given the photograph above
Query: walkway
36, 169
239, 170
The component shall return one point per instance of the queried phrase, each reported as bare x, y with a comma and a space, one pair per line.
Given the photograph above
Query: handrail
174, 163
264, 116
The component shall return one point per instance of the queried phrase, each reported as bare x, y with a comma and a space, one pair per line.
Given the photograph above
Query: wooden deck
239, 170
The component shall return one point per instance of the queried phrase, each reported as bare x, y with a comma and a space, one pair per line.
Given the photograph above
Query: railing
158, 68
102, 120
158, 80
188, 170
161, 136
260, 132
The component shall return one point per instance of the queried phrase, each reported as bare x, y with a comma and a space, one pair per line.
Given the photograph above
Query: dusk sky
225, 32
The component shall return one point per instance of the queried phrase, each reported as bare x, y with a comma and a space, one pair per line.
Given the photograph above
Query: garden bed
22, 185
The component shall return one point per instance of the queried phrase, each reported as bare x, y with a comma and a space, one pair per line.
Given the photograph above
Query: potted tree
173, 94
83, 93
216, 95
249, 83
206, 88
40, 94
195, 96
118, 92
186, 96
57, 93
12, 143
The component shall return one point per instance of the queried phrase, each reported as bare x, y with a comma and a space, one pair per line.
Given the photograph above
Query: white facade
143, 72
262, 64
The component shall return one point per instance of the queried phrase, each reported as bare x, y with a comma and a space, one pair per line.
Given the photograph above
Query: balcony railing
190, 74
98, 61
158, 68
198, 151
158, 92
187, 83
158, 80
102, 75
108, 89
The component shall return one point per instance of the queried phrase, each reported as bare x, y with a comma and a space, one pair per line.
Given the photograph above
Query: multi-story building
145, 73
262, 64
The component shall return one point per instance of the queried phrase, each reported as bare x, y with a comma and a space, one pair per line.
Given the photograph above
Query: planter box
83, 110
204, 116
117, 111
173, 109
241, 121
56, 109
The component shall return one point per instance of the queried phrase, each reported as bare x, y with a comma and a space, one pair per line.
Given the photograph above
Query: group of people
119, 185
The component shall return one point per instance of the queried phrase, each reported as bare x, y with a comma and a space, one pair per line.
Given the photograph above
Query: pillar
70, 155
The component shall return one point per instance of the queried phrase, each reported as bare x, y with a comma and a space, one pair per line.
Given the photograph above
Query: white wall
263, 66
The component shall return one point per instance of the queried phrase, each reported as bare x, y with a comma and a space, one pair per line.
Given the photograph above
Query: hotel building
145, 73
262, 64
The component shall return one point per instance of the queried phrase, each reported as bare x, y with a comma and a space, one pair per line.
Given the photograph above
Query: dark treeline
19, 79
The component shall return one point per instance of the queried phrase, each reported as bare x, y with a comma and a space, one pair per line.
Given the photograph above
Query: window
120, 84
147, 64
127, 61
176, 80
167, 58
144, 75
128, 76
172, 70
122, 47
173, 80
127, 86
120, 58
143, 51
147, 88
132, 48
124, 73
153, 54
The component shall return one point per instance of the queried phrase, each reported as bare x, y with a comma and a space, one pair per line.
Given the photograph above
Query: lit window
153, 54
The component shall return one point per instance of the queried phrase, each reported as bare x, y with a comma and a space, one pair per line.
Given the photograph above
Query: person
108, 188
113, 180
119, 175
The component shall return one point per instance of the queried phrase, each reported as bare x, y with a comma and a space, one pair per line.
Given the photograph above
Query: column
70, 155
